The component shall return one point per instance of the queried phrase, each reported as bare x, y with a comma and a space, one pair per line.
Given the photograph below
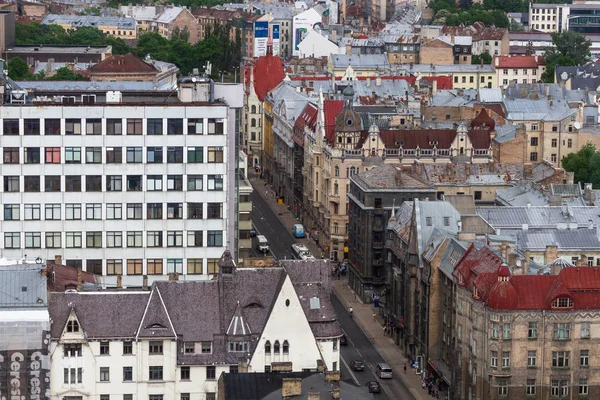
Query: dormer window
475, 293
562, 302
73, 326
238, 346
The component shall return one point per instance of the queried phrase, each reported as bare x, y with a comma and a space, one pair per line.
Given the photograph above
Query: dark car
344, 340
252, 232
357, 365
374, 387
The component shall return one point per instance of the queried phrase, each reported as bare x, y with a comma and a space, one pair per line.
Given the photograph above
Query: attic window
349, 122
73, 326
562, 302
156, 326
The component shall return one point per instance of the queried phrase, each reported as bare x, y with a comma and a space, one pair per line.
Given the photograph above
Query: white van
301, 252
262, 245
384, 371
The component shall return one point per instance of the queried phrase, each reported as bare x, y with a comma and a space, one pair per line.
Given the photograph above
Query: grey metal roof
539, 217
568, 190
579, 239
95, 86
487, 95
505, 133
22, 286
77, 21
285, 95
540, 109
586, 76
520, 196
449, 68
169, 14
358, 61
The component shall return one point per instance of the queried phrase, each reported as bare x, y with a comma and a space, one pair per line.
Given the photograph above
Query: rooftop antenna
208, 68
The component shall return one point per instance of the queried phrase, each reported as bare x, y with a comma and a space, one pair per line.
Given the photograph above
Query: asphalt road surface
359, 347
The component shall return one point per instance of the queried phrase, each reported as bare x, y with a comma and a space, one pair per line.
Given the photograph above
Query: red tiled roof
483, 120
125, 63
476, 262
480, 138
413, 138
518, 61
331, 109
307, 118
268, 73
443, 82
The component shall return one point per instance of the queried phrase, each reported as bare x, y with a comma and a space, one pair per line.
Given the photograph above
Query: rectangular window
52, 183
104, 374
189, 348
72, 127
11, 127
134, 183
11, 184
175, 265
534, 141
93, 240
114, 267
215, 182
194, 182
494, 359
134, 126
569, 143
174, 211
135, 267
52, 155
195, 154
194, 239
114, 183
134, 155
154, 211
127, 348
506, 331
212, 266
114, 239
93, 183
134, 239
154, 238
32, 212
174, 182
174, 238
561, 331
114, 126
215, 126
531, 358
194, 266
93, 126
32, 183
127, 374
32, 155
93, 155
506, 359
52, 212
114, 211
583, 387
52, 127
185, 376
11, 212
215, 239
215, 154
73, 240
73, 155
154, 155
154, 126
12, 240
33, 240
195, 126
495, 330
502, 386
195, 210
155, 373
73, 211
155, 266
584, 358
530, 388
156, 347
175, 126
211, 372
72, 183
533, 156
532, 330
134, 210
560, 359
154, 183
585, 330
174, 155
114, 155
554, 142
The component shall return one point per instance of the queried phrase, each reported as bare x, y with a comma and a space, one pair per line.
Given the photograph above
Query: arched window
268, 347
276, 347
253, 122
336, 171
286, 347
253, 110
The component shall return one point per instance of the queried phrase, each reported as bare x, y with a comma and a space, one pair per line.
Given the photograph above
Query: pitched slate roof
156, 321
578, 239
123, 63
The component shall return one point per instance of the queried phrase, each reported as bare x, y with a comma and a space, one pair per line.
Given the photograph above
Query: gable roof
268, 73
156, 321
474, 263
518, 61
331, 109
123, 63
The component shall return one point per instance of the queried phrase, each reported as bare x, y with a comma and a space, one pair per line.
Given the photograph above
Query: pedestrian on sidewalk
374, 317
307, 236
404, 367
437, 394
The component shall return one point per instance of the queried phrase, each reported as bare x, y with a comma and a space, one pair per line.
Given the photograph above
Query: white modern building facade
138, 190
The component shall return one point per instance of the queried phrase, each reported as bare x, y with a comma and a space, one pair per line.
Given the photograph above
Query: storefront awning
441, 369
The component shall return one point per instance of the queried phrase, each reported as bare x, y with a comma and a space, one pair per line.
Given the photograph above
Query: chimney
378, 80
58, 259
119, 282
582, 261
528, 171
368, 82
417, 168
398, 177
145, 282
242, 367
314, 396
173, 276
491, 165
550, 254
79, 278
467, 169
434, 85
496, 62
466, 236
547, 90
291, 387
550, 100
505, 251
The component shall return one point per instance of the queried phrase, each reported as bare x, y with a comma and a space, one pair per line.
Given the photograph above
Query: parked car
252, 232
343, 340
357, 365
374, 387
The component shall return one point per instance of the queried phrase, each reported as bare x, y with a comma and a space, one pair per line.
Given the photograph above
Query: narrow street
280, 239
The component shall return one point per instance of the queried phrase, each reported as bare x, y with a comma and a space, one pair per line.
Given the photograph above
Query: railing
352, 153
481, 152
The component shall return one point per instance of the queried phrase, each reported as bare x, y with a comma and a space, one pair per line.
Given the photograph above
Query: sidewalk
285, 216
391, 353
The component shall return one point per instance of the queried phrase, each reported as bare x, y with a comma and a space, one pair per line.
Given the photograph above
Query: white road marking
350, 370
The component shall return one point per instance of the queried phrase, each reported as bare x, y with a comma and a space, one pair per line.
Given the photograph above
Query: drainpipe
543, 350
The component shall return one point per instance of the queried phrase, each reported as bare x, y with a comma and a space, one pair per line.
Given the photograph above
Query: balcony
377, 245
378, 262
244, 225
245, 207
334, 197
245, 243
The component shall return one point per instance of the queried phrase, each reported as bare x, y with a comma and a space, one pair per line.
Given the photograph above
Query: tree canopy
17, 69
446, 12
585, 164
569, 48
478, 58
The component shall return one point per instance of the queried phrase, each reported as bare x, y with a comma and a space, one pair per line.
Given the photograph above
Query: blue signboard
261, 29
275, 32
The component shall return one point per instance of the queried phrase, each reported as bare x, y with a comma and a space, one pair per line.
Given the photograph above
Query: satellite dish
518, 263
577, 125
194, 79
564, 75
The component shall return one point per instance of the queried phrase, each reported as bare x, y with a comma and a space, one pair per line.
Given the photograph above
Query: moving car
262, 245
298, 231
383, 371
301, 252
357, 365
343, 341
374, 387
252, 232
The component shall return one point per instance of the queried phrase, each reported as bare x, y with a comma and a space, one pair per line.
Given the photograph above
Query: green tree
477, 58
18, 69
514, 26
585, 164
65, 74
569, 48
